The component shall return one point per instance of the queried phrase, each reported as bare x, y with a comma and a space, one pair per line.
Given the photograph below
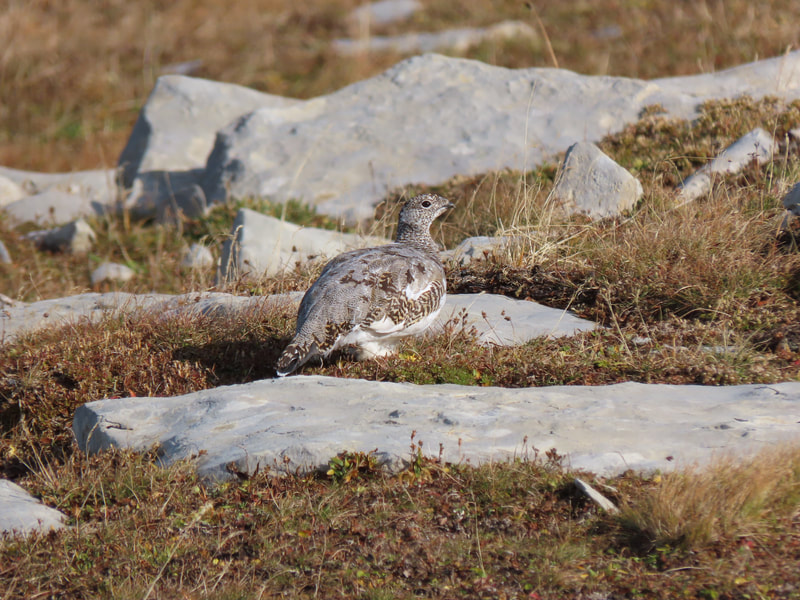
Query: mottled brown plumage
373, 298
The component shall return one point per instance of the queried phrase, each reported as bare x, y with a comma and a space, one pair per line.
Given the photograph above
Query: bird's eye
426, 204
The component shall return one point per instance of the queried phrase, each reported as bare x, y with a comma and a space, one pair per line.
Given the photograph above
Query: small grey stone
479, 248
591, 183
22, 514
197, 257
756, 145
76, 237
182, 68
791, 201
261, 245
112, 272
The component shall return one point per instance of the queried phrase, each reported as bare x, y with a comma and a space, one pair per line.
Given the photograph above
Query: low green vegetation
512, 530
707, 293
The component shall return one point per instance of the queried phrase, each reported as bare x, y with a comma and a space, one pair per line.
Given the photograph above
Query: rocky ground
608, 230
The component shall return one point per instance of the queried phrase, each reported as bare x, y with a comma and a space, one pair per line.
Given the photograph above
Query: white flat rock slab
301, 422
60, 312
21, 513
495, 319
502, 321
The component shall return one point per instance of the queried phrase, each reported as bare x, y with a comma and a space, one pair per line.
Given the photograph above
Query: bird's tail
294, 356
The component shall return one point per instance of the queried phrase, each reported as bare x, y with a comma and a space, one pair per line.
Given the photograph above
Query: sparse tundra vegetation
717, 273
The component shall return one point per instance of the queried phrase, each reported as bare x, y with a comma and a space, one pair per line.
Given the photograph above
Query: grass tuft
729, 499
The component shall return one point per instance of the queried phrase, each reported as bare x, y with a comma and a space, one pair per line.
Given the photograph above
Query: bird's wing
384, 289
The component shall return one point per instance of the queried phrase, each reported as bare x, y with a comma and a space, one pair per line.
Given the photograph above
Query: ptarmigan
372, 298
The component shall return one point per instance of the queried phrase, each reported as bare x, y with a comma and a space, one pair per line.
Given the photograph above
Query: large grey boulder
591, 183
22, 514
261, 245
174, 134
301, 422
430, 117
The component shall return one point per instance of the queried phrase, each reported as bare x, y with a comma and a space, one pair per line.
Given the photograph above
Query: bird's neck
418, 237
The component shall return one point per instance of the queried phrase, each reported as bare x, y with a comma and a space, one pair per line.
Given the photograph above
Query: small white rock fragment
112, 272
595, 496
197, 257
383, 12
756, 145
5, 257
456, 40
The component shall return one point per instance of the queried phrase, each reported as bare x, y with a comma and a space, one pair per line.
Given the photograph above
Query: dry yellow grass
729, 498
74, 74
